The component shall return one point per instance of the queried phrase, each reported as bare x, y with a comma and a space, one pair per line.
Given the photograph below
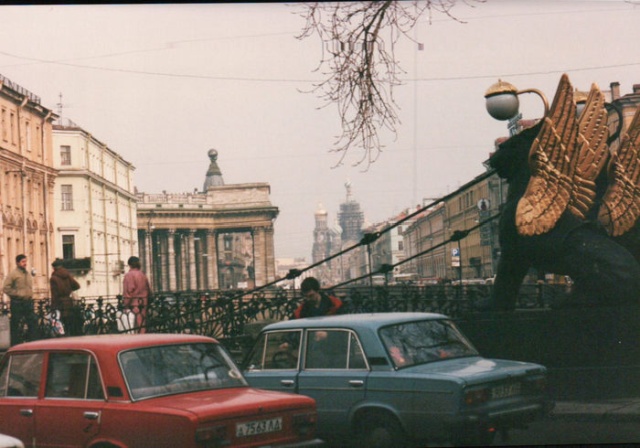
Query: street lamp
502, 100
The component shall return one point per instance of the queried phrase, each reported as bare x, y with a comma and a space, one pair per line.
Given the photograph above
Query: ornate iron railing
232, 316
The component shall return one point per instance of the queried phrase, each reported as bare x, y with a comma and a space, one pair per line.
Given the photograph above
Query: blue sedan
396, 379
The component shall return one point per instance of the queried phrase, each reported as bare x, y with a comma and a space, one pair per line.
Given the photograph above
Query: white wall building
95, 210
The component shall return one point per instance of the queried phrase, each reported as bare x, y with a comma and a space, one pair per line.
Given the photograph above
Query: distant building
285, 265
220, 238
96, 227
27, 177
327, 241
350, 218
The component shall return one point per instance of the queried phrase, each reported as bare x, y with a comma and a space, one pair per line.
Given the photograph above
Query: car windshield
412, 343
170, 369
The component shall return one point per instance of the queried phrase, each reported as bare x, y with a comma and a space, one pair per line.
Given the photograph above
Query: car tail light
305, 424
476, 396
213, 437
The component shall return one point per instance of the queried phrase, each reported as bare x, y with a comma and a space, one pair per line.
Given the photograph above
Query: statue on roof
214, 175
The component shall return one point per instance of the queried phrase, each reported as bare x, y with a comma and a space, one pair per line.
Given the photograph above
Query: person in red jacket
316, 302
136, 292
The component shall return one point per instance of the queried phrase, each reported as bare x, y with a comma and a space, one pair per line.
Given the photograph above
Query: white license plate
259, 427
506, 390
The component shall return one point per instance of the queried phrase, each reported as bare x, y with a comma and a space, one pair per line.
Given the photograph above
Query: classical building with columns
220, 238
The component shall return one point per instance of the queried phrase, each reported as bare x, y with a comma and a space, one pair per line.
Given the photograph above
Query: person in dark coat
316, 302
62, 286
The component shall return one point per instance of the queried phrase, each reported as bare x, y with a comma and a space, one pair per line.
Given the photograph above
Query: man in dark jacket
316, 302
62, 285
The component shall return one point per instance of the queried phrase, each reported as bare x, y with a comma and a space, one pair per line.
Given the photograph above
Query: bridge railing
230, 316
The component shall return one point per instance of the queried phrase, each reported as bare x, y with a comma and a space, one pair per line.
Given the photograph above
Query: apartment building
94, 205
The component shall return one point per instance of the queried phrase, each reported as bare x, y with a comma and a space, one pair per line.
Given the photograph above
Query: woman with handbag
136, 292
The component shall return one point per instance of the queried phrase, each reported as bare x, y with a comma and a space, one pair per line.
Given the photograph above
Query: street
572, 433
563, 432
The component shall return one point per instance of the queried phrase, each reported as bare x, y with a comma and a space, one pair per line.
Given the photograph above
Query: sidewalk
619, 410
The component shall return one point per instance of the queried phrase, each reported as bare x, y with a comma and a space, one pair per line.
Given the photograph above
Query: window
12, 123
67, 197
27, 132
276, 350
65, 155
73, 375
4, 125
20, 377
165, 370
333, 349
68, 247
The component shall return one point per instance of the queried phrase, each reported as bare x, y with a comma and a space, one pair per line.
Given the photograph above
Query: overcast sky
162, 84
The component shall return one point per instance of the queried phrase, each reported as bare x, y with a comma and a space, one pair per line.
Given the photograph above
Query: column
192, 261
201, 261
182, 280
171, 262
148, 256
269, 256
212, 260
259, 255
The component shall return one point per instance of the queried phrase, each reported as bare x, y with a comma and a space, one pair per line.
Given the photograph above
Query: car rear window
171, 369
411, 343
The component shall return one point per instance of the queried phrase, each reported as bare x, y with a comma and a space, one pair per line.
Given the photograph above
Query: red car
144, 390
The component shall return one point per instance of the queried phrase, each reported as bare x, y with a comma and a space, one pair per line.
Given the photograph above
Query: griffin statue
573, 204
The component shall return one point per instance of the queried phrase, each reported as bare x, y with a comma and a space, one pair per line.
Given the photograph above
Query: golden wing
621, 203
591, 153
551, 165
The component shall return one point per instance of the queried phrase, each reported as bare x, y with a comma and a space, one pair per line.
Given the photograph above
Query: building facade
327, 241
27, 178
220, 238
96, 228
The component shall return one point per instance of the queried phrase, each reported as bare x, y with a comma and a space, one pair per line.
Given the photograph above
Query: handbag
57, 327
126, 321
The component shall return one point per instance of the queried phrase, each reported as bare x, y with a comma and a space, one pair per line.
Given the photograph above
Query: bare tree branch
359, 65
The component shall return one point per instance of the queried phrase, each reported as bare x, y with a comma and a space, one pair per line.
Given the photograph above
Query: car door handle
356, 383
26, 412
91, 415
287, 383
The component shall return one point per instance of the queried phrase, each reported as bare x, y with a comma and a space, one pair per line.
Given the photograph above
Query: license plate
259, 427
506, 390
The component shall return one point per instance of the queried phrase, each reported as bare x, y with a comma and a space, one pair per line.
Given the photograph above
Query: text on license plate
506, 390
258, 427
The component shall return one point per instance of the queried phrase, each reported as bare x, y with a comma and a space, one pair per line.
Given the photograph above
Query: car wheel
380, 430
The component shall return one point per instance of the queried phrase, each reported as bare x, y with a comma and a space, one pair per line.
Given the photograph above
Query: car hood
231, 403
475, 369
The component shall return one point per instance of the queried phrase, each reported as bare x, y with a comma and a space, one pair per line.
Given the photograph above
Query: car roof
370, 320
109, 342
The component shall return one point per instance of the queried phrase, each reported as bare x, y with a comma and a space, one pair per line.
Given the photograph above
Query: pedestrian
316, 302
62, 286
18, 286
136, 292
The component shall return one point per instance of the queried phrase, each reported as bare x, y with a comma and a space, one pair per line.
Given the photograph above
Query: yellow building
26, 183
